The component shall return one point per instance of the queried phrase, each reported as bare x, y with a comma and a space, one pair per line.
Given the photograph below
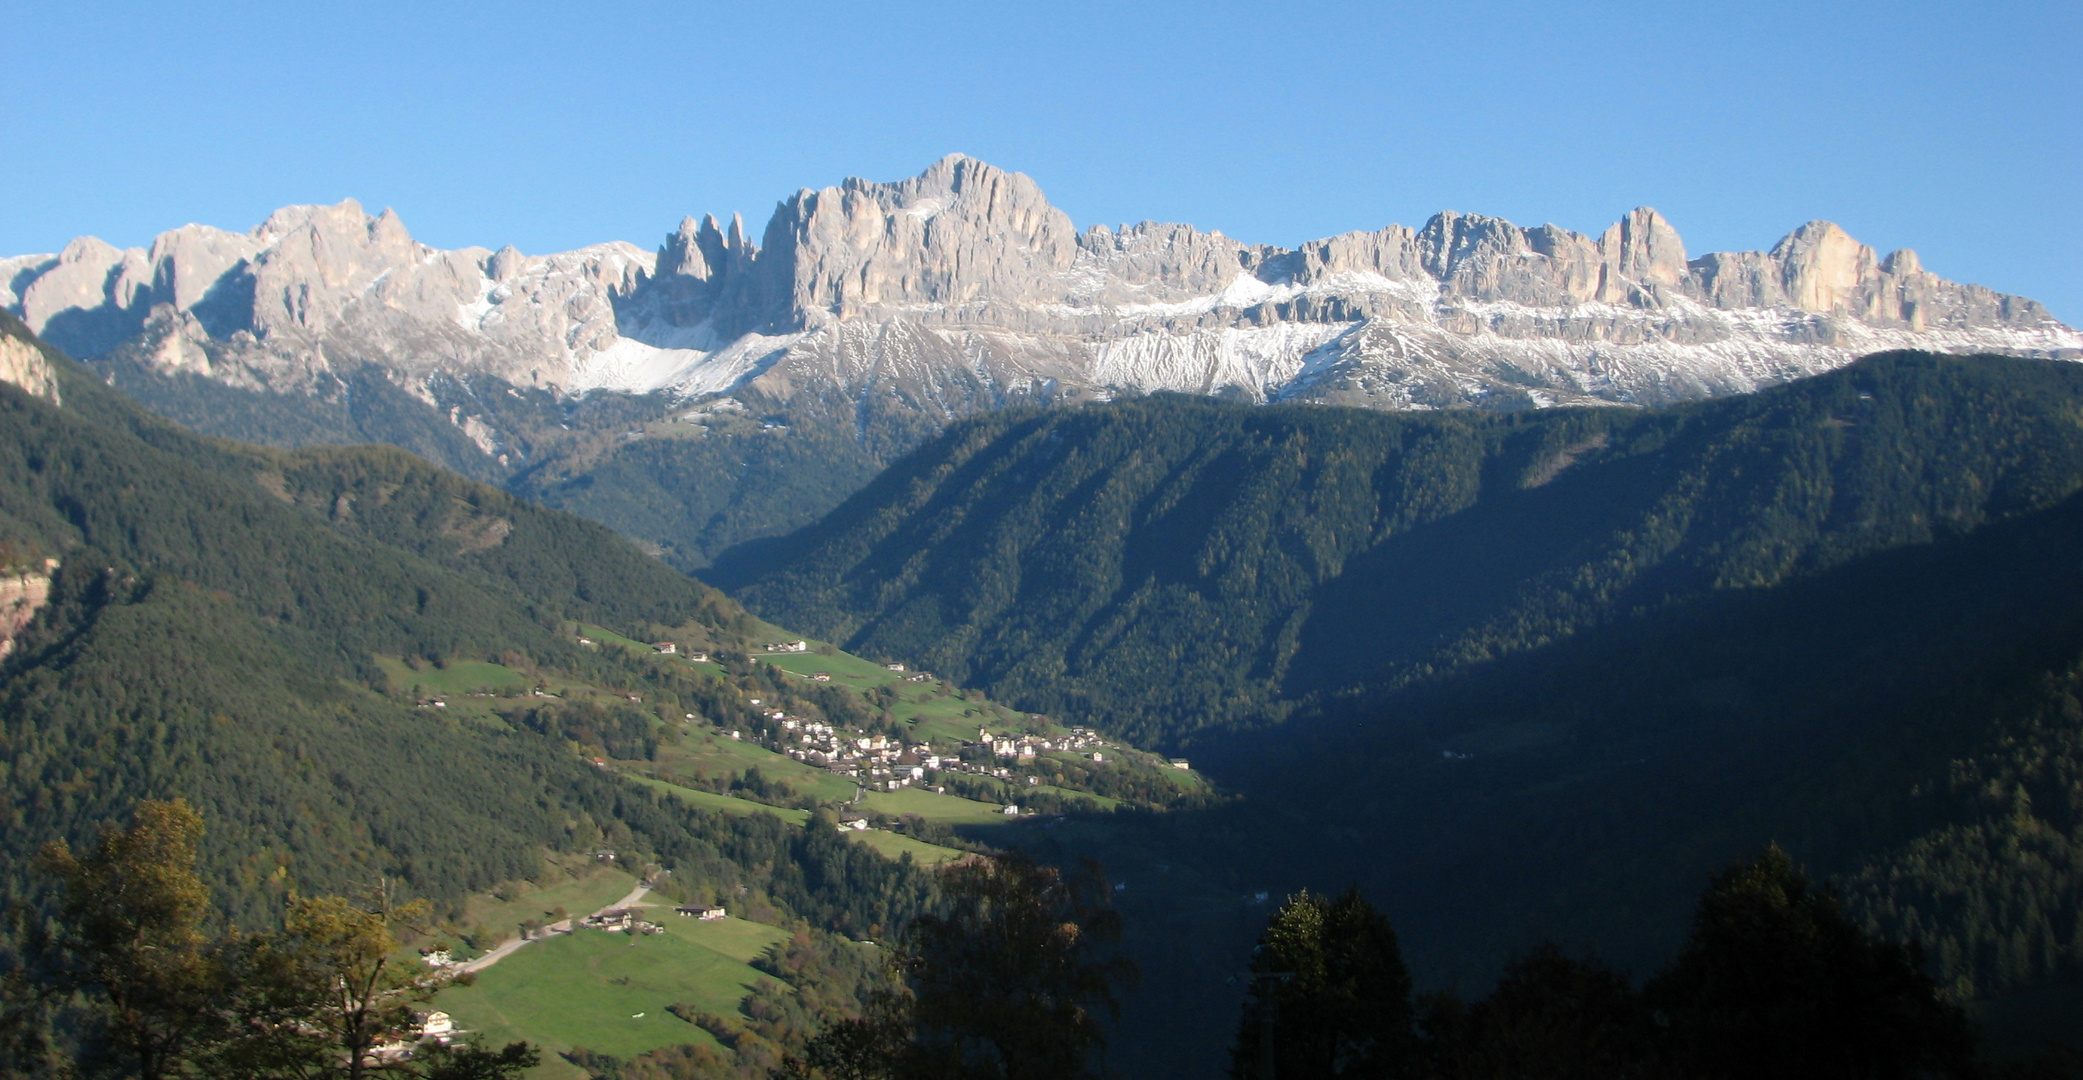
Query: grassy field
709, 800
1103, 802
608, 637
706, 752
734, 938
895, 845
609, 992
888, 843
935, 807
936, 714
457, 677
844, 668
576, 884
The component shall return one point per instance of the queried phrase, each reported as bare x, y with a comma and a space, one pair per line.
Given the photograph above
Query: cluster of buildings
1025, 747
624, 920
887, 763
875, 760
428, 1028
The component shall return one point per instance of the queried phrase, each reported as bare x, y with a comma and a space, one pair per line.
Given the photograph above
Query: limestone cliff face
963, 288
24, 365
22, 593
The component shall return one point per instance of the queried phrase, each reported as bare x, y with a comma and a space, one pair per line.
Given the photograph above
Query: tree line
1014, 975
128, 978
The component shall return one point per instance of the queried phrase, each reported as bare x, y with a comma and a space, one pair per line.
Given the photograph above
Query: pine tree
1776, 981
1331, 995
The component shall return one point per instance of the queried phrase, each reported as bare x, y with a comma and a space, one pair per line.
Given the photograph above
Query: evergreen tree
1009, 984
1331, 995
1550, 1018
1776, 981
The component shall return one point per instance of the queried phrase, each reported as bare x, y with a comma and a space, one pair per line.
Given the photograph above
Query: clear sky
1955, 129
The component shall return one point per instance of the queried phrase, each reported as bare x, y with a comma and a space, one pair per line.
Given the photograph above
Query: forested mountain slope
1169, 564
735, 383
1888, 719
208, 622
1529, 675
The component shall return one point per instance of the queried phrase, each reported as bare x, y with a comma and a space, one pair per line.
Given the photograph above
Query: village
891, 762
887, 763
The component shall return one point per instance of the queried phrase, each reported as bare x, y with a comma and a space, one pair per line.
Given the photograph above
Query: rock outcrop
25, 365
23, 592
963, 288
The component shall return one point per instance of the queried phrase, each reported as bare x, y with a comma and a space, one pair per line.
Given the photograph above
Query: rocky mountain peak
958, 233
303, 280
1643, 247
504, 264
971, 265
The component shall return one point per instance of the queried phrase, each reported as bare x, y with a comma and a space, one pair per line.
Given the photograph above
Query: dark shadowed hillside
1530, 676
1170, 565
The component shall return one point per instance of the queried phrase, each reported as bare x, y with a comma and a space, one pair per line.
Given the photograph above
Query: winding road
506, 948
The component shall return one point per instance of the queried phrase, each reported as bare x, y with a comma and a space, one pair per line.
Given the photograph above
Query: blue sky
1954, 129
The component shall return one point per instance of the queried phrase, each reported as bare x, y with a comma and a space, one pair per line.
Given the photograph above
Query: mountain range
1518, 670
869, 315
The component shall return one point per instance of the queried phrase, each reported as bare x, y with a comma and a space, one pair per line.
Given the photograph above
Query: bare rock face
23, 592
24, 365
963, 289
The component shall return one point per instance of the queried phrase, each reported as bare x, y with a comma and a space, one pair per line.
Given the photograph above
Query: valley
1520, 676
737, 382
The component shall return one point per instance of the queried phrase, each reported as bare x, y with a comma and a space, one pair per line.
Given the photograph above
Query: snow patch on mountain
964, 289
633, 367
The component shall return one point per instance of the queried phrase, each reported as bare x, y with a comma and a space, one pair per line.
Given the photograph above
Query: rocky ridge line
964, 289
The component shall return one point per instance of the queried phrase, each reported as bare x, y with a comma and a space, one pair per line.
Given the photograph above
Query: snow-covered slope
962, 288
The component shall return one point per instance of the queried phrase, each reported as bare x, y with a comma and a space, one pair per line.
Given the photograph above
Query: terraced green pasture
709, 800
934, 806
895, 845
605, 991
580, 888
457, 677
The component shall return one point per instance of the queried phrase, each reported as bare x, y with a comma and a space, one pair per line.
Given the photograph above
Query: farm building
613, 919
704, 912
